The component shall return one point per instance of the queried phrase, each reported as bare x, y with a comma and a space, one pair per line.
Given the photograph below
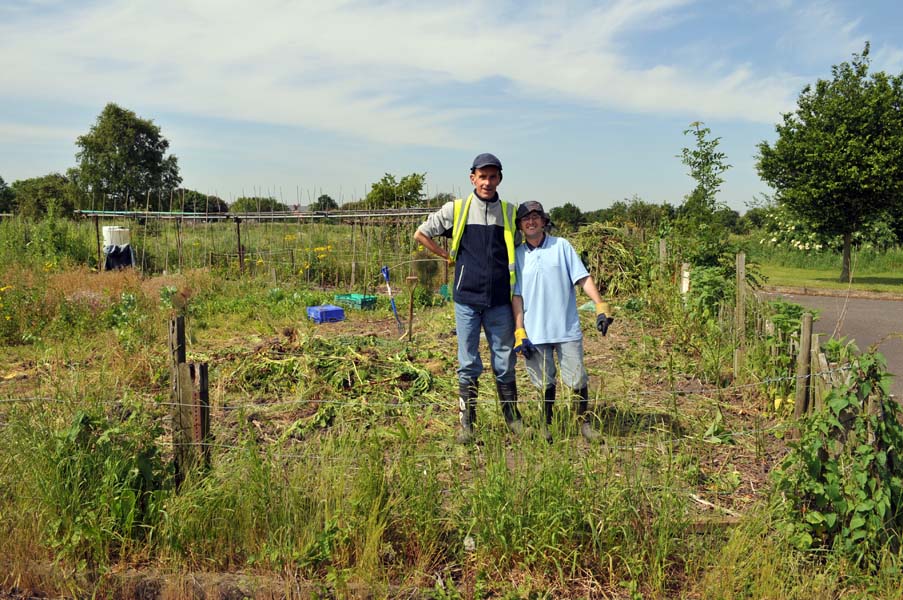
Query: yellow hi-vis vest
462, 209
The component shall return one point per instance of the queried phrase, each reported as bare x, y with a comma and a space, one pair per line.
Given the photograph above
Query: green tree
253, 204
324, 202
51, 194
838, 161
389, 193
7, 198
706, 165
634, 211
186, 200
122, 162
753, 219
700, 224
567, 216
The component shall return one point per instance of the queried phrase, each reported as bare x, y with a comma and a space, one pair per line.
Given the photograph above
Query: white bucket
115, 236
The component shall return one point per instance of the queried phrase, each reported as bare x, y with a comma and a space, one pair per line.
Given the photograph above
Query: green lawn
888, 281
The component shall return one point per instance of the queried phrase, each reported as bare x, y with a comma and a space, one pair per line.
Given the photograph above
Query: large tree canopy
324, 202
838, 161
197, 202
7, 198
253, 204
568, 217
122, 162
389, 193
51, 194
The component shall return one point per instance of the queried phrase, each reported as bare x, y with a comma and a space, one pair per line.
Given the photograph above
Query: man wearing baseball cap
545, 313
482, 231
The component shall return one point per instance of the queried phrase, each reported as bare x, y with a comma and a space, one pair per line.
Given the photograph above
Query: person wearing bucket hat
545, 305
483, 238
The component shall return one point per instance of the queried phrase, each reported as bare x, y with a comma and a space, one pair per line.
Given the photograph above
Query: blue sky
584, 102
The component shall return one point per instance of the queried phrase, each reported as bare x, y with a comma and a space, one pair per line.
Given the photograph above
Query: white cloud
18, 133
368, 69
818, 32
888, 59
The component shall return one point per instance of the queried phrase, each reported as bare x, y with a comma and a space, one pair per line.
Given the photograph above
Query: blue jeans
498, 323
541, 366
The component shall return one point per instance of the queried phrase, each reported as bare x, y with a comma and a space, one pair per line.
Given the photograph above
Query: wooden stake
684, 278
100, 265
800, 405
190, 406
412, 282
740, 313
241, 251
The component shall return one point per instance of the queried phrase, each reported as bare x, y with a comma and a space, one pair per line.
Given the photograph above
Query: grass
333, 469
873, 271
828, 279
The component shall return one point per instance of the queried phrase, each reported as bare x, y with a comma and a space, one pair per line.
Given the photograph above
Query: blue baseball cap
485, 160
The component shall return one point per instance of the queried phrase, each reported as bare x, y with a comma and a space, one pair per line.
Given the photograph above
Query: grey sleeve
439, 222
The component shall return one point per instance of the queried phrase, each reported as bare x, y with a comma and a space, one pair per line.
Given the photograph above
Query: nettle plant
842, 485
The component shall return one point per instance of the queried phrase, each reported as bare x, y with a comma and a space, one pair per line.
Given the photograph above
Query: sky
583, 102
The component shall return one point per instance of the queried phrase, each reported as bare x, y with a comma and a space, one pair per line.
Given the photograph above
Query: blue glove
522, 343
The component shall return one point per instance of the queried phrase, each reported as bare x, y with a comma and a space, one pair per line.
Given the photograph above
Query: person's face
485, 180
533, 226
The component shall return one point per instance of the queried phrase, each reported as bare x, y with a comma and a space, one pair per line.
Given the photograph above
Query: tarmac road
867, 321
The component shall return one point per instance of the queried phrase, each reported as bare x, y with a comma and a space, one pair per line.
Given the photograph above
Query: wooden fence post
241, 251
353, 256
412, 282
818, 366
189, 406
684, 279
179, 242
100, 264
803, 361
740, 314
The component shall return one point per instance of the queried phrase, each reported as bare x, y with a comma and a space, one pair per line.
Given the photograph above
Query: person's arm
517, 306
589, 287
603, 310
430, 245
522, 343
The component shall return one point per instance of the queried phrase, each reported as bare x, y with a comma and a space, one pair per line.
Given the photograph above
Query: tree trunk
845, 274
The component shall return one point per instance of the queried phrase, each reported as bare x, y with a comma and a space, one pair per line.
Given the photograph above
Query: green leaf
815, 517
857, 522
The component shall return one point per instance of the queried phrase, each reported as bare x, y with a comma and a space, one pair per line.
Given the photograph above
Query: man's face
532, 225
485, 180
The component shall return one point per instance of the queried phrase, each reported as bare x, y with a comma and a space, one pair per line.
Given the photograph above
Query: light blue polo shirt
546, 277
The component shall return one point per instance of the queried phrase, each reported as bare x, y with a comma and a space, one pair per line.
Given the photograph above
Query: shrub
842, 486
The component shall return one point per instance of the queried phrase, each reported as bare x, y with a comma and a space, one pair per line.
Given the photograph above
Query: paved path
865, 320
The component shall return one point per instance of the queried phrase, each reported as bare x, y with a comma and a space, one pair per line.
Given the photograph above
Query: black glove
522, 343
602, 318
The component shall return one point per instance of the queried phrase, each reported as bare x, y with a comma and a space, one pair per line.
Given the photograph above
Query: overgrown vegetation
333, 468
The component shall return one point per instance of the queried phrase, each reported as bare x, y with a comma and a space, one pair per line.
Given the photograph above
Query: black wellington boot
508, 398
548, 402
467, 410
586, 428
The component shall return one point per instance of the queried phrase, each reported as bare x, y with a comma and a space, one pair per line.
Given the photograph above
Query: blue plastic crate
326, 313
